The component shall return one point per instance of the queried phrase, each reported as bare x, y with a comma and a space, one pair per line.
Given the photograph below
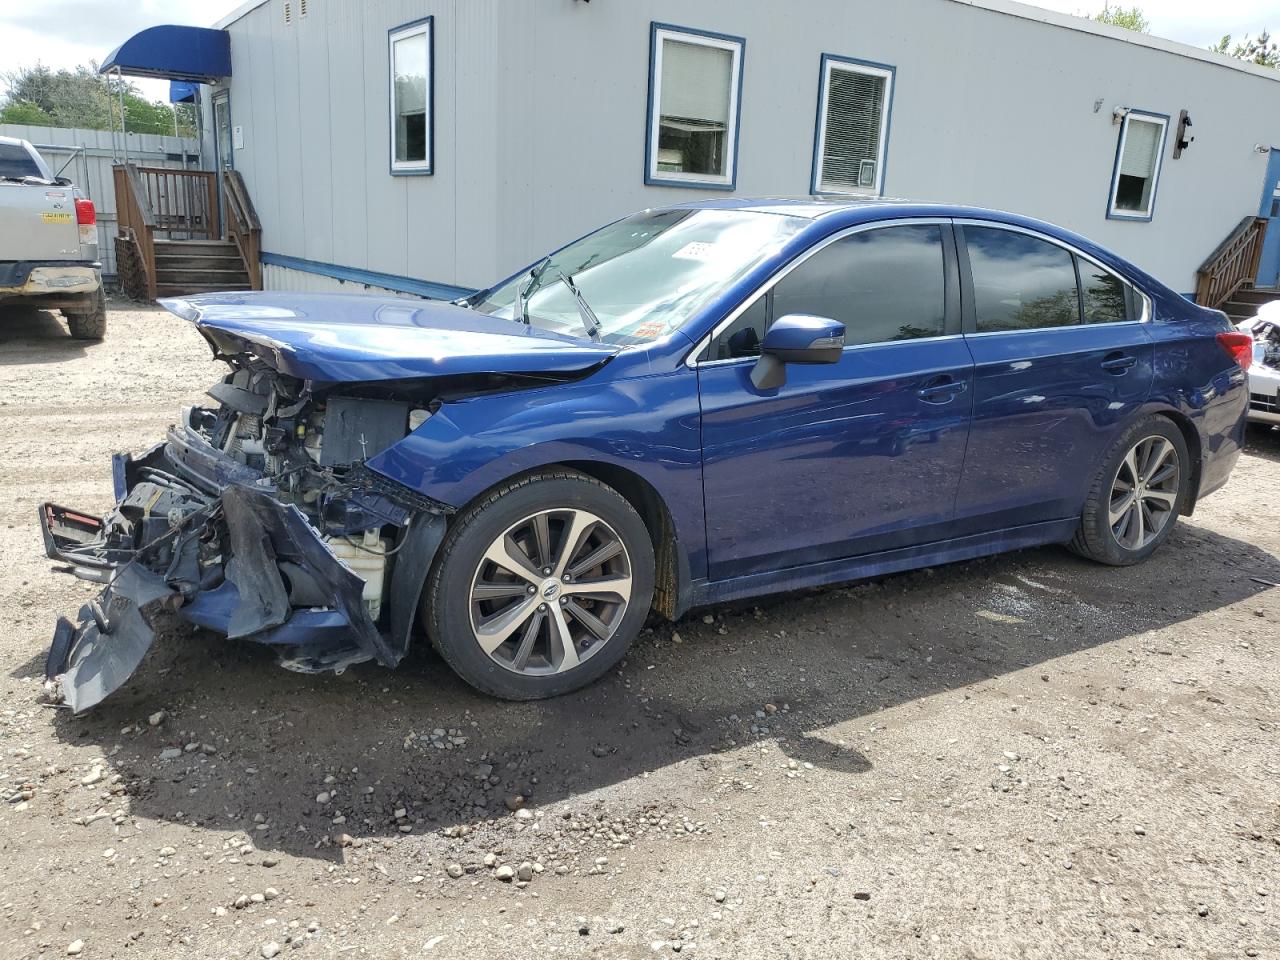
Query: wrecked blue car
691, 405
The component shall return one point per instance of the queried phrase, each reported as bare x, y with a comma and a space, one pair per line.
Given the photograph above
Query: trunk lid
349, 338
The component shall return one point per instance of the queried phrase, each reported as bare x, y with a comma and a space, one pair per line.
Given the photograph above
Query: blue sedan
690, 405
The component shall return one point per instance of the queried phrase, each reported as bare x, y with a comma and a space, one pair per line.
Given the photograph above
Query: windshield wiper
522, 294
589, 319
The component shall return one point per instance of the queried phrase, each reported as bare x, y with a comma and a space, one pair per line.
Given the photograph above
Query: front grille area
1260, 401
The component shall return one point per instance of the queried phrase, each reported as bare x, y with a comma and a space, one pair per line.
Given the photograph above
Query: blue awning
198, 54
182, 91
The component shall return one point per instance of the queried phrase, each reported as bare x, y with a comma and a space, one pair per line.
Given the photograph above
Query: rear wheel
540, 587
1135, 500
89, 324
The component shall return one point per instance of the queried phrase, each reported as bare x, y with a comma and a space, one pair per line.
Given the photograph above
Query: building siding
540, 116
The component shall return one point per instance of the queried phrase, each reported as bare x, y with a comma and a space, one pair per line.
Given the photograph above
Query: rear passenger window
1105, 295
1020, 282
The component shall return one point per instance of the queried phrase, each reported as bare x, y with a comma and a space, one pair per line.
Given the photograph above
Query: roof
823, 207
1026, 11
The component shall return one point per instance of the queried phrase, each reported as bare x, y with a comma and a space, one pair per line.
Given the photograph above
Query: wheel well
1192, 438
657, 520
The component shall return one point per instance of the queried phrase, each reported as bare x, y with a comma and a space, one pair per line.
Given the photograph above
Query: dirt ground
1028, 756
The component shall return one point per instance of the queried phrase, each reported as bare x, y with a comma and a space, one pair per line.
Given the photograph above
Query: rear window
15, 161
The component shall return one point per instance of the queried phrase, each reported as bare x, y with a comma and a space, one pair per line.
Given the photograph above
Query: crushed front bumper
225, 554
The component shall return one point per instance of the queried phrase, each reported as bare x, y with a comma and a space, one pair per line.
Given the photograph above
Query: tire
90, 324
469, 594
1128, 540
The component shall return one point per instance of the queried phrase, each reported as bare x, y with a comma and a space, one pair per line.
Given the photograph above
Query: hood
350, 338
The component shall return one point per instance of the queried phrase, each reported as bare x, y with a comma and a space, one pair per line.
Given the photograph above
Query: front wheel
1135, 500
540, 587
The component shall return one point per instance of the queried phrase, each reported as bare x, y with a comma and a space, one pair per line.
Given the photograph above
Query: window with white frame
853, 126
409, 57
694, 86
1137, 169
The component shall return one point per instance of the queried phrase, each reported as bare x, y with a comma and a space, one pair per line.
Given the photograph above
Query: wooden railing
184, 202
1233, 265
136, 222
243, 225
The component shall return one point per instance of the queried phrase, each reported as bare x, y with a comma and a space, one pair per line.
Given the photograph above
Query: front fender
647, 425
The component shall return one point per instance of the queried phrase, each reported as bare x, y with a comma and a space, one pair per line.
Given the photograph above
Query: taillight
87, 218
1239, 347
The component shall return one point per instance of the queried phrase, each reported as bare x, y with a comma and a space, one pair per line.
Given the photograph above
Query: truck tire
89, 324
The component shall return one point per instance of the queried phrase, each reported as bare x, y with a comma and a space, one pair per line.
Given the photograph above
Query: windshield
16, 162
643, 276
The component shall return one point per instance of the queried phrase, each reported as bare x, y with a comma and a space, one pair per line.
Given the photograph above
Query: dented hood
348, 338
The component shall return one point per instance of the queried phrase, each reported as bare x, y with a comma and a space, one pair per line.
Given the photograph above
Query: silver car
48, 242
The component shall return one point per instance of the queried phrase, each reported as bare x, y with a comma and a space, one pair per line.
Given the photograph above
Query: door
851, 457
1269, 265
1062, 362
222, 129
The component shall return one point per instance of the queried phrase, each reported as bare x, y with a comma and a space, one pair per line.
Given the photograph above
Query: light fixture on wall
1182, 141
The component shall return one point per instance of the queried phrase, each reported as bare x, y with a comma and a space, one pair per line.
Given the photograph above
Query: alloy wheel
550, 592
1144, 493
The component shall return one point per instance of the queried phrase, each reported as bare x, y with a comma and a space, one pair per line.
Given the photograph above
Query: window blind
697, 83
851, 133
1141, 148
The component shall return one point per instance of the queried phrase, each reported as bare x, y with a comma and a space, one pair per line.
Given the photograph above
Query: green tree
1261, 49
1131, 18
25, 112
84, 98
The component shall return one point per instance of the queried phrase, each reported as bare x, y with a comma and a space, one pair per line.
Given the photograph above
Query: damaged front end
255, 519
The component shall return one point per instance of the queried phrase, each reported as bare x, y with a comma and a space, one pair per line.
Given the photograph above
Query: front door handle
1118, 362
942, 390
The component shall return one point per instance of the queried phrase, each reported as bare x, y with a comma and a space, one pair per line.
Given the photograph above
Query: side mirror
796, 338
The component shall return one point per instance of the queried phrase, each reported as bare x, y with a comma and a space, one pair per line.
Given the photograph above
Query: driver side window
884, 284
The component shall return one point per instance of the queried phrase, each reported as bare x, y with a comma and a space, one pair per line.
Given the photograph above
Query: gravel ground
1027, 756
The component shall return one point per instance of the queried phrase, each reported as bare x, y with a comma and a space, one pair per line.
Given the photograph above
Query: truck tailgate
38, 222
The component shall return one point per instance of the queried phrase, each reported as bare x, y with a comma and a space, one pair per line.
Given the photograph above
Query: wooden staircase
199, 266
1244, 303
1225, 281
171, 240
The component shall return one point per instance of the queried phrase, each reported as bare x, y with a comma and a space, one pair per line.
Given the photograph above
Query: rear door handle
942, 390
1118, 362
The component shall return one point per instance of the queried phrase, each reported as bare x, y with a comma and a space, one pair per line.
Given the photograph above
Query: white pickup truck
48, 242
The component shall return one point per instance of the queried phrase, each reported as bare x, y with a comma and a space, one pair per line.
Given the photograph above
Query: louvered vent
851, 144
302, 8
288, 12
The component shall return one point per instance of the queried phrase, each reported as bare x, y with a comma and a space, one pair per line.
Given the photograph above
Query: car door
1062, 361
845, 458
